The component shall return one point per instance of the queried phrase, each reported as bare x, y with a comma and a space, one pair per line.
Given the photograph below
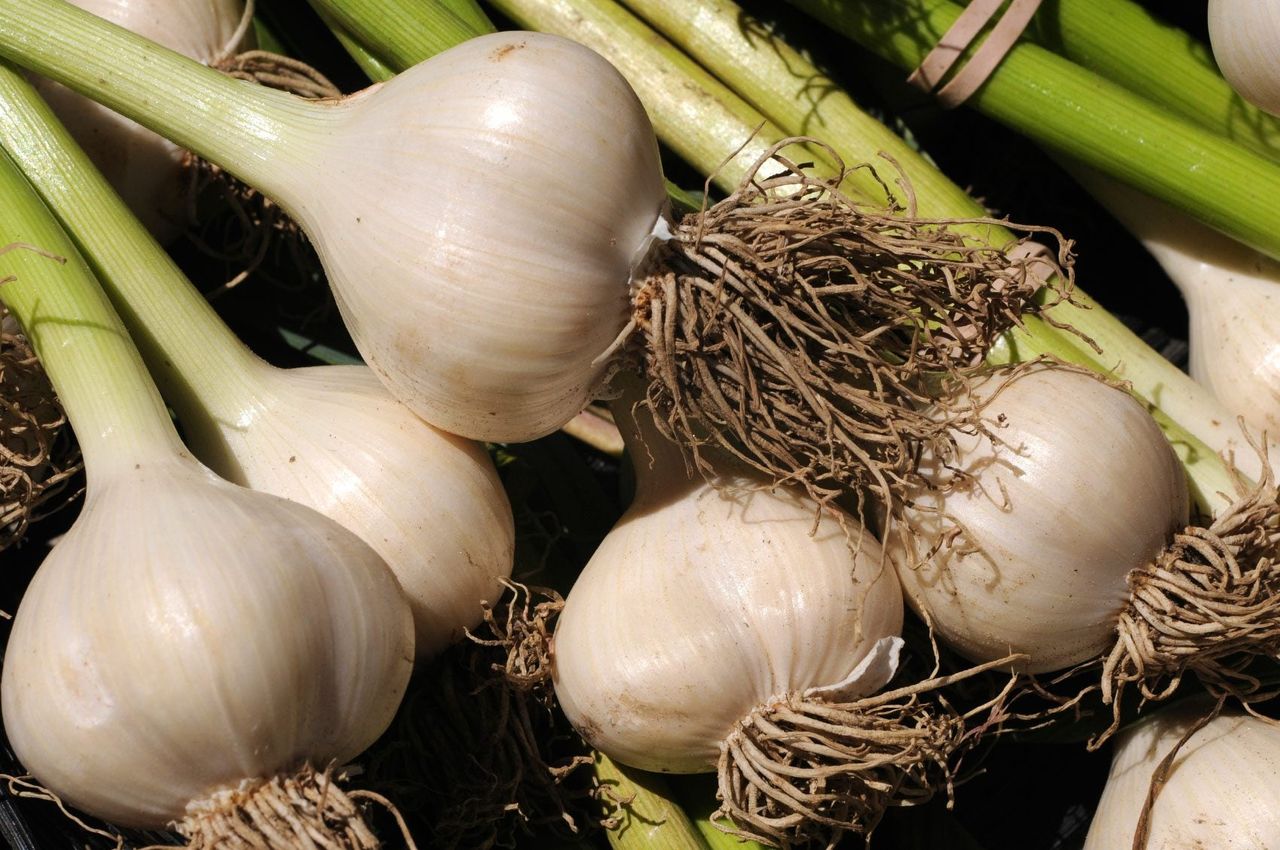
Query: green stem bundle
1076, 112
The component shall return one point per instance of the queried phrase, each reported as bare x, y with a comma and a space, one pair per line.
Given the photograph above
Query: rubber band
1004, 35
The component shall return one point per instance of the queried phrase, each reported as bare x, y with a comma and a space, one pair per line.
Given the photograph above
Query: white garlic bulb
187, 635
1082, 489
1245, 35
494, 328
146, 169
332, 438
1233, 298
1223, 790
704, 603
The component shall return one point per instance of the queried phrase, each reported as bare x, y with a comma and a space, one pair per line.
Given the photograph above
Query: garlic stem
114, 408
374, 67
405, 33
648, 819
201, 362
1130, 45
693, 113
1074, 111
254, 130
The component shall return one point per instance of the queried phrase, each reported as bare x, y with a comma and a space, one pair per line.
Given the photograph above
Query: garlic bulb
708, 607
1233, 298
1223, 790
145, 168
329, 437
1081, 488
512, 209
188, 635
704, 602
429, 503
1245, 36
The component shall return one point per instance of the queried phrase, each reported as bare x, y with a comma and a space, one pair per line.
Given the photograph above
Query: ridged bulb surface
188, 635
483, 211
143, 167
1084, 489
702, 604
430, 503
1235, 337
1245, 35
1223, 791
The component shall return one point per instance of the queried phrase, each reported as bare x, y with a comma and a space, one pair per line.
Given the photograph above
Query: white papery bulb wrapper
1245, 35
1084, 489
430, 503
1223, 790
704, 603
187, 635
533, 170
146, 169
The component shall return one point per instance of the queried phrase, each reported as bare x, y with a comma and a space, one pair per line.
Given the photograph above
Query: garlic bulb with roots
330, 437
188, 640
190, 651
1040, 519
1221, 791
147, 169
1057, 531
717, 628
1245, 35
493, 224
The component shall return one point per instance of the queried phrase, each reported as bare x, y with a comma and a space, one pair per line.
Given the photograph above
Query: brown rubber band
957, 39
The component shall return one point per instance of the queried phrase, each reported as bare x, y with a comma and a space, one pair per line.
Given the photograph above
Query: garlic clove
1223, 790
705, 602
147, 169
1083, 489
545, 183
187, 635
1245, 36
430, 503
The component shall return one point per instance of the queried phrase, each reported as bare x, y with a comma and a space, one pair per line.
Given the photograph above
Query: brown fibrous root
522, 627
306, 810
483, 755
1209, 603
804, 771
809, 333
38, 454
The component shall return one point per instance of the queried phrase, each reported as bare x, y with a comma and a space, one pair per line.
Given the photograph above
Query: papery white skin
187, 635
430, 503
702, 604
478, 218
1085, 489
1223, 791
145, 168
1245, 36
